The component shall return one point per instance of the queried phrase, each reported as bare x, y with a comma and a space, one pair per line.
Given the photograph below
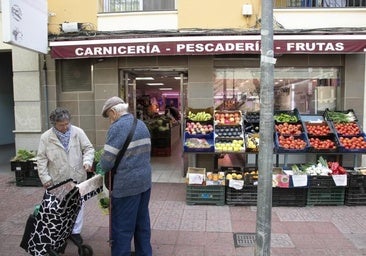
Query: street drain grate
244, 239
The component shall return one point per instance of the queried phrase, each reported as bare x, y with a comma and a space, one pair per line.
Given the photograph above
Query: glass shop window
74, 75
310, 90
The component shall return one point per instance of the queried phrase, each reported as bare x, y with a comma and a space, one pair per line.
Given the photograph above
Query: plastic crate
280, 149
27, 178
356, 191
289, 197
328, 116
245, 196
321, 182
331, 137
294, 112
326, 196
200, 194
19, 165
355, 196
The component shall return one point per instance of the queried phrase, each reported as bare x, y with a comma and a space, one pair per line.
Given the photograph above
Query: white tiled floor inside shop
169, 169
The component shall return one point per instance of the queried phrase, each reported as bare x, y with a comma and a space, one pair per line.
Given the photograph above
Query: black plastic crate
27, 178
19, 165
281, 149
357, 180
328, 114
201, 195
330, 137
321, 182
245, 196
289, 197
356, 191
355, 196
326, 196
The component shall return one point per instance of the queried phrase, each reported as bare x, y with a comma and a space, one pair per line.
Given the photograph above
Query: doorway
153, 95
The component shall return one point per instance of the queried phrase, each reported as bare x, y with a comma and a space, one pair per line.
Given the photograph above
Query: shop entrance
156, 97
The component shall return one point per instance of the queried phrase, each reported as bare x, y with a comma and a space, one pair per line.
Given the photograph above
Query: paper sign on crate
340, 180
236, 184
299, 180
196, 175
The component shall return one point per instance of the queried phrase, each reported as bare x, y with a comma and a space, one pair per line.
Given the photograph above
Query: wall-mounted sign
207, 45
25, 24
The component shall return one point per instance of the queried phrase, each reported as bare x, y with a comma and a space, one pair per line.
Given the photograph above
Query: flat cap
111, 102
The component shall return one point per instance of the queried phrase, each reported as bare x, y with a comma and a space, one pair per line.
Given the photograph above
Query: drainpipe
45, 92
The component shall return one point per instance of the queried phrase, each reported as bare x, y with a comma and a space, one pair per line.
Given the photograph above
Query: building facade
99, 52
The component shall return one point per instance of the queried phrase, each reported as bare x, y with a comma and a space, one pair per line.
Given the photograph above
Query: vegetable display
285, 118
340, 117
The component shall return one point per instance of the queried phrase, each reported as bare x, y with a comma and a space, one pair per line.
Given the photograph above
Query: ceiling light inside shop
154, 84
144, 78
166, 89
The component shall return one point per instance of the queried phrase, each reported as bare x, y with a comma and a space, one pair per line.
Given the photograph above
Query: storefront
312, 72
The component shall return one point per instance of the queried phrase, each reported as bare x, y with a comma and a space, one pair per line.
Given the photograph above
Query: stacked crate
356, 190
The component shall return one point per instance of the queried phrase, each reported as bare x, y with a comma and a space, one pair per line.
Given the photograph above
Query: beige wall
216, 14
81, 11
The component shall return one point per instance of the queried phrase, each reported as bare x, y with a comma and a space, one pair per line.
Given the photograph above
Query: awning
207, 45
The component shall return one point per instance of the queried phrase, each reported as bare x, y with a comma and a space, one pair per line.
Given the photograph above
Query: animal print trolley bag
48, 229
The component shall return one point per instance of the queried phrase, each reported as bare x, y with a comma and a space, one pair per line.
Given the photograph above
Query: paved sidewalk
182, 230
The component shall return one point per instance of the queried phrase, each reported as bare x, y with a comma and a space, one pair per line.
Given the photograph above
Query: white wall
310, 18
137, 21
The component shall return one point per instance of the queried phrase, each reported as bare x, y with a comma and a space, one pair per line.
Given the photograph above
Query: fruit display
199, 116
252, 142
251, 177
198, 128
215, 178
290, 142
353, 143
318, 129
229, 145
234, 176
228, 118
289, 128
234, 131
323, 143
252, 117
198, 144
347, 129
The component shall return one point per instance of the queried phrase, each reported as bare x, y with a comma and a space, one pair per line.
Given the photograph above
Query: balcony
125, 15
320, 4
109, 6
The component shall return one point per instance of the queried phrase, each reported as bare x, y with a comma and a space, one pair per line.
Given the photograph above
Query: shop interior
158, 104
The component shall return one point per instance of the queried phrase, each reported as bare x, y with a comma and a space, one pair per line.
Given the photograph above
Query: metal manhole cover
244, 239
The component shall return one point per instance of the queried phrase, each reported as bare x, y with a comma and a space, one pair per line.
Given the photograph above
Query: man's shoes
77, 238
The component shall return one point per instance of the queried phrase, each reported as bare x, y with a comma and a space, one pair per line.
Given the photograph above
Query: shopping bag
53, 223
91, 187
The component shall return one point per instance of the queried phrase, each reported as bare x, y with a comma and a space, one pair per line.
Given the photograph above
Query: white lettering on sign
315, 47
219, 47
114, 50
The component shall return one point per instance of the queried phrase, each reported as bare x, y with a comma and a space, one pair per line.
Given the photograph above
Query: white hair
121, 108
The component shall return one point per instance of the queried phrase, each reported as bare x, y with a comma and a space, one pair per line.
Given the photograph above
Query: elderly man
132, 182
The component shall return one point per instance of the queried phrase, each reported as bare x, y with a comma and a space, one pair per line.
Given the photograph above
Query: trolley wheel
85, 250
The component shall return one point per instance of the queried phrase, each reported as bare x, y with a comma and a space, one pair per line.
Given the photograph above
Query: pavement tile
179, 229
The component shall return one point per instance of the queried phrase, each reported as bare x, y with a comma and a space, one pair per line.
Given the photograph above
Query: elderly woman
64, 152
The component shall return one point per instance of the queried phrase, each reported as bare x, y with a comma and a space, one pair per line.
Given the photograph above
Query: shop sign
207, 45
